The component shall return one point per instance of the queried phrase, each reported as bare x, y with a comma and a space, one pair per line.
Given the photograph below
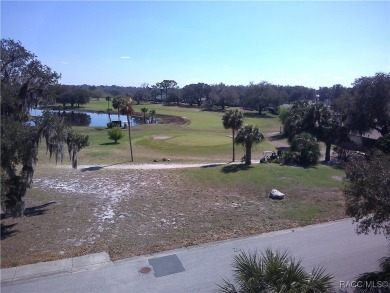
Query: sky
127, 43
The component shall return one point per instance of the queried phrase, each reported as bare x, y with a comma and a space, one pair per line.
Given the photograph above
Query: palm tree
232, 120
144, 110
275, 272
152, 113
128, 110
117, 103
108, 99
248, 136
378, 278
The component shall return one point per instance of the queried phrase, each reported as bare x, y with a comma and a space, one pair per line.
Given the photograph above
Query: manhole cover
145, 270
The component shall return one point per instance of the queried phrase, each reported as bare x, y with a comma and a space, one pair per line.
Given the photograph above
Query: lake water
77, 118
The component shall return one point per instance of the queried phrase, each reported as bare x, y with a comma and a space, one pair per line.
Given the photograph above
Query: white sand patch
161, 137
108, 214
108, 192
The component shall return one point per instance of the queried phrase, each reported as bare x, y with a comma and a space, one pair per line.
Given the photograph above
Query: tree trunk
74, 159
234, 155
327, 152
131, 148
248, 155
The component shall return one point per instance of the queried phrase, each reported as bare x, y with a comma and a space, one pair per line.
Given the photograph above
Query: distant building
366, 139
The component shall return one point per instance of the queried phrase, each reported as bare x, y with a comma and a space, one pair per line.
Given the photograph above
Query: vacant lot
129, 212
133, 212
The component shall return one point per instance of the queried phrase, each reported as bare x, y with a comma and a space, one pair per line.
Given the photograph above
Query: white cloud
125, 57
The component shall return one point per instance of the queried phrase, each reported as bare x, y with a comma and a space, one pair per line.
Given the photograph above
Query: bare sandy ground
154, 166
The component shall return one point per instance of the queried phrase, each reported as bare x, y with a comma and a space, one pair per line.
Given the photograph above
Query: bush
288, 158
283, 113
307, 148
115, 134
383, 143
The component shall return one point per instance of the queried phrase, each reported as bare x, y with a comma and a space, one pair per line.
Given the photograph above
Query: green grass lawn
311, 193
200, 119
269, 175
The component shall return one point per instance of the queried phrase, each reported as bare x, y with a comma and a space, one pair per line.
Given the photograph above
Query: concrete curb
102, 259
57, 267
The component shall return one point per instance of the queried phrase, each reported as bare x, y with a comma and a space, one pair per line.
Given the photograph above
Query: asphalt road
200, 268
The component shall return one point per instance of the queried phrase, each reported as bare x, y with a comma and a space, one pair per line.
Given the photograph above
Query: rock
276, 194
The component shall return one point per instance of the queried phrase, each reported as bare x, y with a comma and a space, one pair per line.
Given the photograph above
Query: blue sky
127, 43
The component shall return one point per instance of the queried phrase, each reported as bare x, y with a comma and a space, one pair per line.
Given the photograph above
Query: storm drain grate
166, 265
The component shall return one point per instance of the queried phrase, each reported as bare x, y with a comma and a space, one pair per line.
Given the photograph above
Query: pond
76, 118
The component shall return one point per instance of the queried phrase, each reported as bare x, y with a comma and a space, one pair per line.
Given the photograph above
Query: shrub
115, 134
307, 148
288, 158
383, 143
283, 113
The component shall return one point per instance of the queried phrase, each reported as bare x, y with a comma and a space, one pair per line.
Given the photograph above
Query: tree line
255, 96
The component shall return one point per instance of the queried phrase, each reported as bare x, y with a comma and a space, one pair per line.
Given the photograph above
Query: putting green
199, 139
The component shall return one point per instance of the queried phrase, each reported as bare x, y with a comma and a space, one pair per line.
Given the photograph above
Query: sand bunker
161, 137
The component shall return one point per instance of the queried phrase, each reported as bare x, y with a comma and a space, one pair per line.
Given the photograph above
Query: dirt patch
129, 212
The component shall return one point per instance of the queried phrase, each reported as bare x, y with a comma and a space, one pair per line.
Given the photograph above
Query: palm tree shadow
8, 231
96, 168
235, 168
37, 210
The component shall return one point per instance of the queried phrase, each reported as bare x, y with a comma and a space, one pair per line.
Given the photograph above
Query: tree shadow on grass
283, 149
8, 230
211, 166
109, 143
334, 164
37, 210
235, 168
280, 136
